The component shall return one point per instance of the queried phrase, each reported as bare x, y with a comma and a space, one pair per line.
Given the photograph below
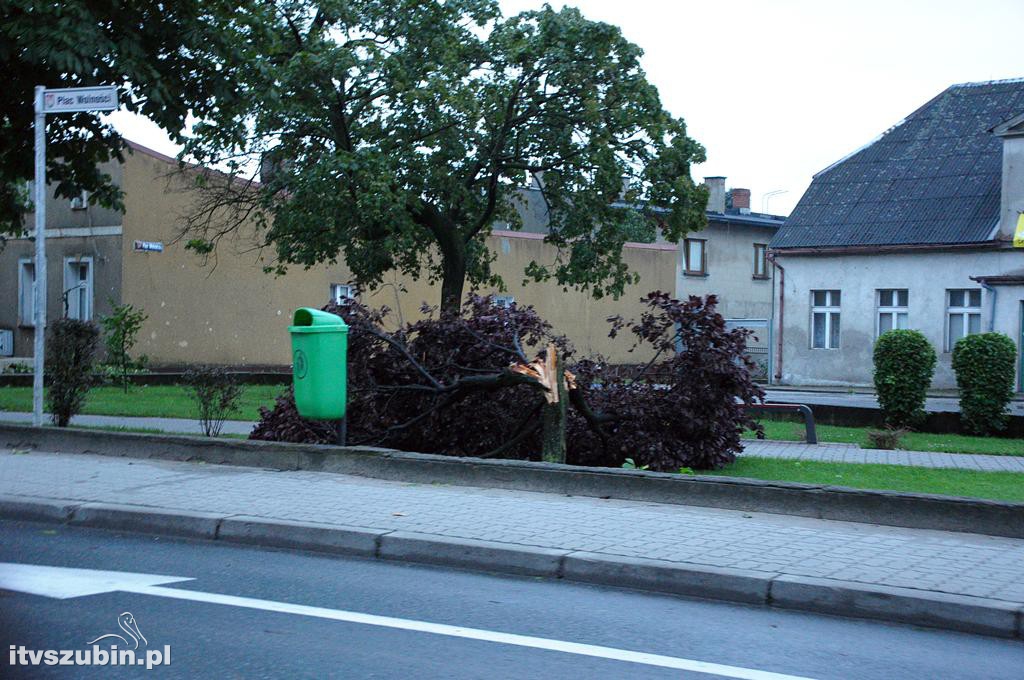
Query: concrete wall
926, 275
228, 311
730, 270
1012, 197
93, 232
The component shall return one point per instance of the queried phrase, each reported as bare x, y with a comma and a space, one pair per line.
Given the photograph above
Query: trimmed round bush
984, 366
904, 364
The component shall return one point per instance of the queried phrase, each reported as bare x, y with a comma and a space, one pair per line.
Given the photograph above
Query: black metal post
342, 426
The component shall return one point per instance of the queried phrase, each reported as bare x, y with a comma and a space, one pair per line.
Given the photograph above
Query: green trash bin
319, 373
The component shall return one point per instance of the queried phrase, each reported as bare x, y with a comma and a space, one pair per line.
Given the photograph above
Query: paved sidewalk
852, 453
177, 425
861, 398
772, 545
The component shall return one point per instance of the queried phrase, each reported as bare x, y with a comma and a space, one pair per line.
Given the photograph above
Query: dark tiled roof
934, 178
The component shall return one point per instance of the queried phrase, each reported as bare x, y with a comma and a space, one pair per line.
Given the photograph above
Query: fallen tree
463, 385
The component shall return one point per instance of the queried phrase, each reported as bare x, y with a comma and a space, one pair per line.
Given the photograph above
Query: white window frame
761, 260
81, 201
828, 309
964, 313
341, 292
503, 300
74, 309
26, 293
894, 309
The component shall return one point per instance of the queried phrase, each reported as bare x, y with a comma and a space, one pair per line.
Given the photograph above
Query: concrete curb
839, 598
891, 508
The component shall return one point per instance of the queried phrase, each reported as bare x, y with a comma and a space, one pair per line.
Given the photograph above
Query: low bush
216, 394
904, 365
985, 367
70, 351
888, 438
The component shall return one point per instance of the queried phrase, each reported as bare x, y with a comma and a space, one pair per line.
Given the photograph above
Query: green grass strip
147, 401
1002, 486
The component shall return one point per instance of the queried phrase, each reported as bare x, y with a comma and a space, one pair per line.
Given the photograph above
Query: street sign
73, 99
148, 246
61, 100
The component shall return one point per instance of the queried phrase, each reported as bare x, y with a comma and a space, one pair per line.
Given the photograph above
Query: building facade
226, 310
915, 230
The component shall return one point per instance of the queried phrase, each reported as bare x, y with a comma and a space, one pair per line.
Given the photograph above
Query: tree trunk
453, 279
553, 436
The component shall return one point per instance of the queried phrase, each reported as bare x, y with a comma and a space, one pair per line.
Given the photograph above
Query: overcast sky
777, 90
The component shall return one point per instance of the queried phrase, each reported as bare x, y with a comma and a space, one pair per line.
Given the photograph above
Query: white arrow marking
64, 583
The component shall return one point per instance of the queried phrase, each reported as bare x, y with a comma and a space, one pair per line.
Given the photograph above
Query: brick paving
966, 564
852, 453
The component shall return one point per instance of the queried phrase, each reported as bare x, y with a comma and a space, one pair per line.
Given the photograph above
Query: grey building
914, 230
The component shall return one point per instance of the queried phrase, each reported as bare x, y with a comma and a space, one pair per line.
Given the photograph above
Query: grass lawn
161, 401
1003, 486
914, 441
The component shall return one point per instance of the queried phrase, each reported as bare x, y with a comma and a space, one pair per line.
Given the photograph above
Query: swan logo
127, 623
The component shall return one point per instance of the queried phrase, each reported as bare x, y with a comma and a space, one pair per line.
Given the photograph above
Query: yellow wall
229, 312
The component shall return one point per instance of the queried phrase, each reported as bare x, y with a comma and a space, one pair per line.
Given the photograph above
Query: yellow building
228, 311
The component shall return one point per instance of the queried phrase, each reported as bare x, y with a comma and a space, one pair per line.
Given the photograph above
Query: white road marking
64, 583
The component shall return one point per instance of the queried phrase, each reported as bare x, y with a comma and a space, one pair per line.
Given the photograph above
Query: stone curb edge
891, 508
838, 598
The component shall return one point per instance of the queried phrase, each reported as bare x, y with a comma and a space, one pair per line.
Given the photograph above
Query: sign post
67, 100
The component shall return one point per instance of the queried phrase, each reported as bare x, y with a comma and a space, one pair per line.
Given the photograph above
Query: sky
777, 90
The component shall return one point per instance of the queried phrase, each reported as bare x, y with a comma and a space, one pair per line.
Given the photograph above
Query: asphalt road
225, 641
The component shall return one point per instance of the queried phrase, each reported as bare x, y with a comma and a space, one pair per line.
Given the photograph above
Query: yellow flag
1018, 235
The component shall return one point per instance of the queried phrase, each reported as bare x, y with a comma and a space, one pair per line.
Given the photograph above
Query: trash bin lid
309, 320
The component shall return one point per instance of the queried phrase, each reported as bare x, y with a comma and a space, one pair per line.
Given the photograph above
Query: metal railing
803, 409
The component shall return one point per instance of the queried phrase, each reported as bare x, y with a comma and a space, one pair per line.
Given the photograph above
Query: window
78, 288
340, 292
26, 292
504, 300
963, 314
695, 251
760, 261
893, 311
81, 201
825, 319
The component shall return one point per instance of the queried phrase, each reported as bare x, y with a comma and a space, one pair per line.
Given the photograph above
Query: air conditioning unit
6, 343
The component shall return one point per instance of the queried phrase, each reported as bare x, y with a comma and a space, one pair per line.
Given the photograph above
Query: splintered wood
543, 371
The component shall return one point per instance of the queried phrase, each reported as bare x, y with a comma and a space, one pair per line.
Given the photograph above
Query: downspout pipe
782, 314
992, 296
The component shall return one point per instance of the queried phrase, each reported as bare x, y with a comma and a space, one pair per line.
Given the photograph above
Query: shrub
70, 351
120, 330
984, 366
216, 394
888, 438
904, 364
687, 407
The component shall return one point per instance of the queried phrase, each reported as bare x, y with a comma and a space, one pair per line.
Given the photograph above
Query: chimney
1011, 209
741, 200
537, 179
716, 193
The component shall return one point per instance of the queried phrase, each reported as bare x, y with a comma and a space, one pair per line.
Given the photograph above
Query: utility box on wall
6, 343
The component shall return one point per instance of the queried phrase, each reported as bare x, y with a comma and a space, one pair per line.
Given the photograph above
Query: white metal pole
39, 286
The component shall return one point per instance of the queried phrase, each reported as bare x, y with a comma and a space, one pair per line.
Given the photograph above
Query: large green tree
166, 58
398, 133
